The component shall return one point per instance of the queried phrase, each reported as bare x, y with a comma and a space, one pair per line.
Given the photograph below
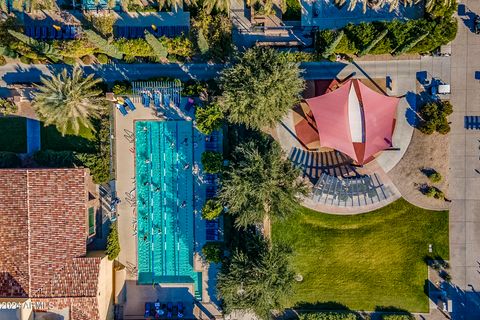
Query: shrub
8, 52
209, 118
213, 252
397, 317
202, 42
435, 177
103, 45
9, 160
179, 47
330, 49
74, 48
434, 117
2, 61
158, 49
373, 43
87, 59
113, 245
433, 192
26, 60
194, 87
212, 161
215, 41
70, 60
409, 45
122, 87
212, 209
402, 36
134, 47
102, 58
41, 47
102, 23
329, 315
7, 107
54, 159
98, 164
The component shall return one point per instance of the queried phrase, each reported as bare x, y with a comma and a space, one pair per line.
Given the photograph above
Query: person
186, 166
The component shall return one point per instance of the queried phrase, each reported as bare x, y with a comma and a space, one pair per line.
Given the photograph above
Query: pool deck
137, 295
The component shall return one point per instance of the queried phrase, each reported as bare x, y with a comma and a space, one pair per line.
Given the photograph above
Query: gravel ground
424, 152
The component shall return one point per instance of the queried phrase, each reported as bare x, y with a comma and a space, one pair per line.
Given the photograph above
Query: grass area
13, 134
293, 12
365, 261
52, 139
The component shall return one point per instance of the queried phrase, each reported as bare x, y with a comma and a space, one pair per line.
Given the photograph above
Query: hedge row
395, 37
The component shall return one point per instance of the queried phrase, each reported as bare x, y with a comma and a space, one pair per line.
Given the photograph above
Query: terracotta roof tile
43, 236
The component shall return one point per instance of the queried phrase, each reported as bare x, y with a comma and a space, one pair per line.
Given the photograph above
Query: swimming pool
165, 199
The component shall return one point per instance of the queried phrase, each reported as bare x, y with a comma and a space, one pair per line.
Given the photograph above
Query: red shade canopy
355, 120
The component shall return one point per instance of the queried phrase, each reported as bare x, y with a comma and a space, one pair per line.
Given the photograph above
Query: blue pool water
165, 200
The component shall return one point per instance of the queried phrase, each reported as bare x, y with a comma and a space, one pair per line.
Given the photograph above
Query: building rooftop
43, 235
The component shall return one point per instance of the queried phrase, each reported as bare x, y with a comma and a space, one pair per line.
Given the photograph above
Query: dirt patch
424, 152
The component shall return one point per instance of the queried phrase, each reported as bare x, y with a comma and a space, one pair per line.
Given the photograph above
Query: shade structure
355, 120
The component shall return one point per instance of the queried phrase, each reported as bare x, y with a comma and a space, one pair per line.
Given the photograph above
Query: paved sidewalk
464, 159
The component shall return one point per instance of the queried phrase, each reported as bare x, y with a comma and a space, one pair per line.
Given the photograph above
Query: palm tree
174, 4
69, 102
260, 184
219, 5
258, 280
376, 4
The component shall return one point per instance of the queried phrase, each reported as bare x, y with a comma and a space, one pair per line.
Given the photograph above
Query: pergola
355, 120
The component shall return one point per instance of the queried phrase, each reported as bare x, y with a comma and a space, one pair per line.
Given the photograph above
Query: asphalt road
21, 73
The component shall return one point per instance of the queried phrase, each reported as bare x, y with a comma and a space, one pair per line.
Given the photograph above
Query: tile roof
43, 235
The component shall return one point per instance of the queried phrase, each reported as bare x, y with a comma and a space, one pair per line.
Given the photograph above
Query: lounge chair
157, 99
122, 109
44, 32
130, 104
146, 100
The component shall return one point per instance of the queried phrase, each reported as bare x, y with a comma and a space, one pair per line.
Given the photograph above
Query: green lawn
364, 261
13, 134
52, 139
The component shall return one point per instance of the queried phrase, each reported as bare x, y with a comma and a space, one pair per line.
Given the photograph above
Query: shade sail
355, 120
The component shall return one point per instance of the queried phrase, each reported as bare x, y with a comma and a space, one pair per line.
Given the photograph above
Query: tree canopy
69, 101
260, 182
257, 280
260, 89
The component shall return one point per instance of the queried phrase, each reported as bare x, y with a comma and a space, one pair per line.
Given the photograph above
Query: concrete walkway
464, 160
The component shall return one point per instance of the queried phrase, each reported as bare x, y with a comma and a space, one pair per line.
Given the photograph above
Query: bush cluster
329, 315
212, 161
214, 36
213, 252
395, 37
434, 117
212, 209
113, 245
9, 160
397, 317
7, 107
434, 192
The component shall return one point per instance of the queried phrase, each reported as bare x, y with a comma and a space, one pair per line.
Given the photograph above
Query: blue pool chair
122, 109
44, 32
157, 99
166, 99
145, 100
130, 104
